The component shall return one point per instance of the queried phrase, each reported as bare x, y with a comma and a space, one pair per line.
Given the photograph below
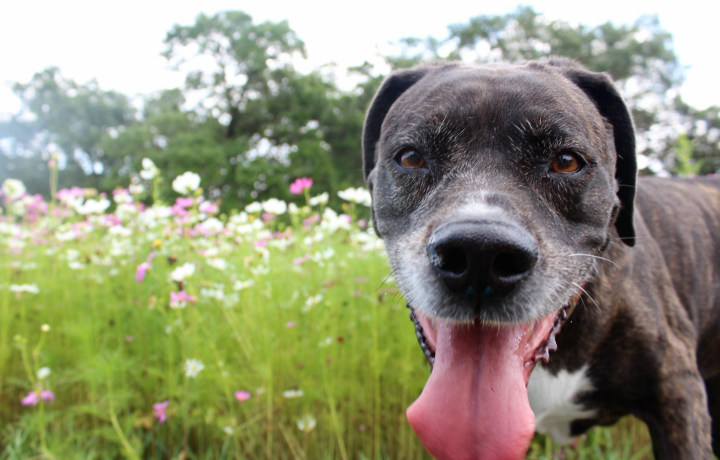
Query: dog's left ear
600, 89
390, 90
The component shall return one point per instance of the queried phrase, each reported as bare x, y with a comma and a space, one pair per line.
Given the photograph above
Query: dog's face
495, 188
515, 166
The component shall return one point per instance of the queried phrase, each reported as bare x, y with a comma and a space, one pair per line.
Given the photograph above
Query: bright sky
118, 43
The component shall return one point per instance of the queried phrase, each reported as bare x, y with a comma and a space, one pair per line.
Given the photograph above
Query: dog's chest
553, 400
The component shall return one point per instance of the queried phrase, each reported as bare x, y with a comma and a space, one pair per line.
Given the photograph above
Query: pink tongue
475, 403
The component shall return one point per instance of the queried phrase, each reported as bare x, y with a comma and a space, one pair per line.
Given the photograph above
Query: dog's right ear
390, 90
601, 91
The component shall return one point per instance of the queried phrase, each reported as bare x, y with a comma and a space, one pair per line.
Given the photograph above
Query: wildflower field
132, 328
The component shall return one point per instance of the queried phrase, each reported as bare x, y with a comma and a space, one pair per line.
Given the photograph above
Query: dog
551, 289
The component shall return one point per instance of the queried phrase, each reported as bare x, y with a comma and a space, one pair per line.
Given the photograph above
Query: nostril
511, 266
449, 259
487, 258
451, 264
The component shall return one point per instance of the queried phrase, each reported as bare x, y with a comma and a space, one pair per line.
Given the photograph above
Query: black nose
486, 258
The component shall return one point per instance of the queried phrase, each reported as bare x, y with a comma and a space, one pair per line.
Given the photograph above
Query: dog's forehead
491, 94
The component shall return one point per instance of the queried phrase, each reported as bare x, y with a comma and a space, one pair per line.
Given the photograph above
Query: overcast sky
118, 43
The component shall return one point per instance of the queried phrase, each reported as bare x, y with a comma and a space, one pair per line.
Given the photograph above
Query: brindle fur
648, 322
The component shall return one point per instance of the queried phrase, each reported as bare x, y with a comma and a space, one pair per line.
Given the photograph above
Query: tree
249, 61
639, 57
248, 84
702, 132
62, 116
685, 163
173, 138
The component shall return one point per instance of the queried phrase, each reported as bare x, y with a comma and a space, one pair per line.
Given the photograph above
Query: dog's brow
429, 132
538, 126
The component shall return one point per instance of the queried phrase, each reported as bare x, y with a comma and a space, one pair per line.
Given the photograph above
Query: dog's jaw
475, 404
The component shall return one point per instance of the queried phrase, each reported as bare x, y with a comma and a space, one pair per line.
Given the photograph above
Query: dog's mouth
475, 404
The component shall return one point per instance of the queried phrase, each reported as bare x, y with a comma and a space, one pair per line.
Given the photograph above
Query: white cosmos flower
13, 189
253, 208
186, 183
122, 197
321, 199
356, 195
120, 231
212, 293
193, 367
332, 222
212, 225
306, 423
216, 262
149, 171
311, 302
292, 394
325, 254
93, 206
136, 189
183, 272
274, 206
43, 373
20, 288
242, 285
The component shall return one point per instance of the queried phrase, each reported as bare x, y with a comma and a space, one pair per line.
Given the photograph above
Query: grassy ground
291, 341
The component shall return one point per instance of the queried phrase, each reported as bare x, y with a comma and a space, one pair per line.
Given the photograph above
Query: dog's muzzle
482, 259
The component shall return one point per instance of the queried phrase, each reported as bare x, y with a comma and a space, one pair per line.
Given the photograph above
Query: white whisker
594, 257
584, 291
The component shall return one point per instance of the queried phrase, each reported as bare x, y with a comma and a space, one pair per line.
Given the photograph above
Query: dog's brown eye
566, 163
411, 159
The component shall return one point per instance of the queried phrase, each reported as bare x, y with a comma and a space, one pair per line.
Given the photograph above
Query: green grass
307, 322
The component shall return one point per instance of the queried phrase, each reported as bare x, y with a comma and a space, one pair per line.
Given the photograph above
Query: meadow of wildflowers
132, 328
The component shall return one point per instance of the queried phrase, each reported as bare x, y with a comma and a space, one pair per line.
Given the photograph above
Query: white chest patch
552, 399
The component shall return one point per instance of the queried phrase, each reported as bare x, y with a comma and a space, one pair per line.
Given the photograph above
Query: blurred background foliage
249, 122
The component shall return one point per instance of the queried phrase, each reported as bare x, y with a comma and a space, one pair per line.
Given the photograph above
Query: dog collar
420, 334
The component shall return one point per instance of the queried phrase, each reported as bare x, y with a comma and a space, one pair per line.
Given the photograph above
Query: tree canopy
249, 122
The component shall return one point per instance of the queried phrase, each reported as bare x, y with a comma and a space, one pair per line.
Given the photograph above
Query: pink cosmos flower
144, 267
177, 210
36, 206
68, 194
301, 260
159, 411
34, 397
141, 270
112, 220
208, 207
31, 399
242, 396
185, 202
300, 185
180, 299
307, 223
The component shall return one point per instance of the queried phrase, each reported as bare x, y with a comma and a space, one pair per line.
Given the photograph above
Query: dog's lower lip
420, 334
542, 353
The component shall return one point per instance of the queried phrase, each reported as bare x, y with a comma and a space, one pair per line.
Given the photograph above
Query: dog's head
495, 189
